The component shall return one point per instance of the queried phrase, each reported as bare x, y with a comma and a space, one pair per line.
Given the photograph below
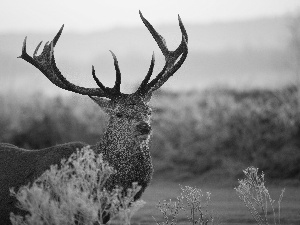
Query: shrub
192, 202
37, 121
219, 130
74, 193
199, 132
256, 197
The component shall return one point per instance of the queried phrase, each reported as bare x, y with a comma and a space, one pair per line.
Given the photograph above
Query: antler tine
172, 64
97, 80
45, 62
57, 36
148, 76
157, 37
118, 73
184, 39
37, 48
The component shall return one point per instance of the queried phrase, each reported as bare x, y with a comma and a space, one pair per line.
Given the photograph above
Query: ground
226, 205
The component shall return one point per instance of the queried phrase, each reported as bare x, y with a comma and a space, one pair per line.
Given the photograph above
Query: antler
45, 62
172, 64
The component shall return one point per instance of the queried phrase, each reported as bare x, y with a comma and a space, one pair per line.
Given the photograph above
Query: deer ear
105, 104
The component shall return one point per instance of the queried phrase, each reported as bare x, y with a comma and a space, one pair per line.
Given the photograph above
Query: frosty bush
192, 202
256, 197
74, 193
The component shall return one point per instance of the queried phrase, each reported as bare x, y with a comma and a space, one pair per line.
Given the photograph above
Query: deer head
122, 108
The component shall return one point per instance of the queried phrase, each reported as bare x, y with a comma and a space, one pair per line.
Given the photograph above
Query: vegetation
192, 202
194, 134
253, 192
210, 132
196, 205
74, 194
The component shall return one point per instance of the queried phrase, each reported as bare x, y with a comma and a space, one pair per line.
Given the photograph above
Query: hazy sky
89, 15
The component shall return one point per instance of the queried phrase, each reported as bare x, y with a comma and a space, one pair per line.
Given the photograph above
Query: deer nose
143, 128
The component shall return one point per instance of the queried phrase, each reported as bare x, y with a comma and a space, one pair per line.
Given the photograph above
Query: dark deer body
124, 144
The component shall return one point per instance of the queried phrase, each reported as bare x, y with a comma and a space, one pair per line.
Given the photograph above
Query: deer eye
119, 115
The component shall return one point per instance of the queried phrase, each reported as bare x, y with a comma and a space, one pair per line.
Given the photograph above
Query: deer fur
124, 144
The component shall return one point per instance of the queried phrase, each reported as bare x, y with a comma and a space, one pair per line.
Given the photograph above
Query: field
220, 131
234, 104
201, 139
227, 207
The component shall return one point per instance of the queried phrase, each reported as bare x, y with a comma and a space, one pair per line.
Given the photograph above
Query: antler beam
45, 62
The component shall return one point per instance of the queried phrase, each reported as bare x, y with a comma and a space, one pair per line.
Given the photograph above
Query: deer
125, 142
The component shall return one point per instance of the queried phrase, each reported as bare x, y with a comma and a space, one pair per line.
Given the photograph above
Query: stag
124, 144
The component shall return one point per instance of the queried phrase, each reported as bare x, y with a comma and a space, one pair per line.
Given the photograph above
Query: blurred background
234, 102
243, 44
